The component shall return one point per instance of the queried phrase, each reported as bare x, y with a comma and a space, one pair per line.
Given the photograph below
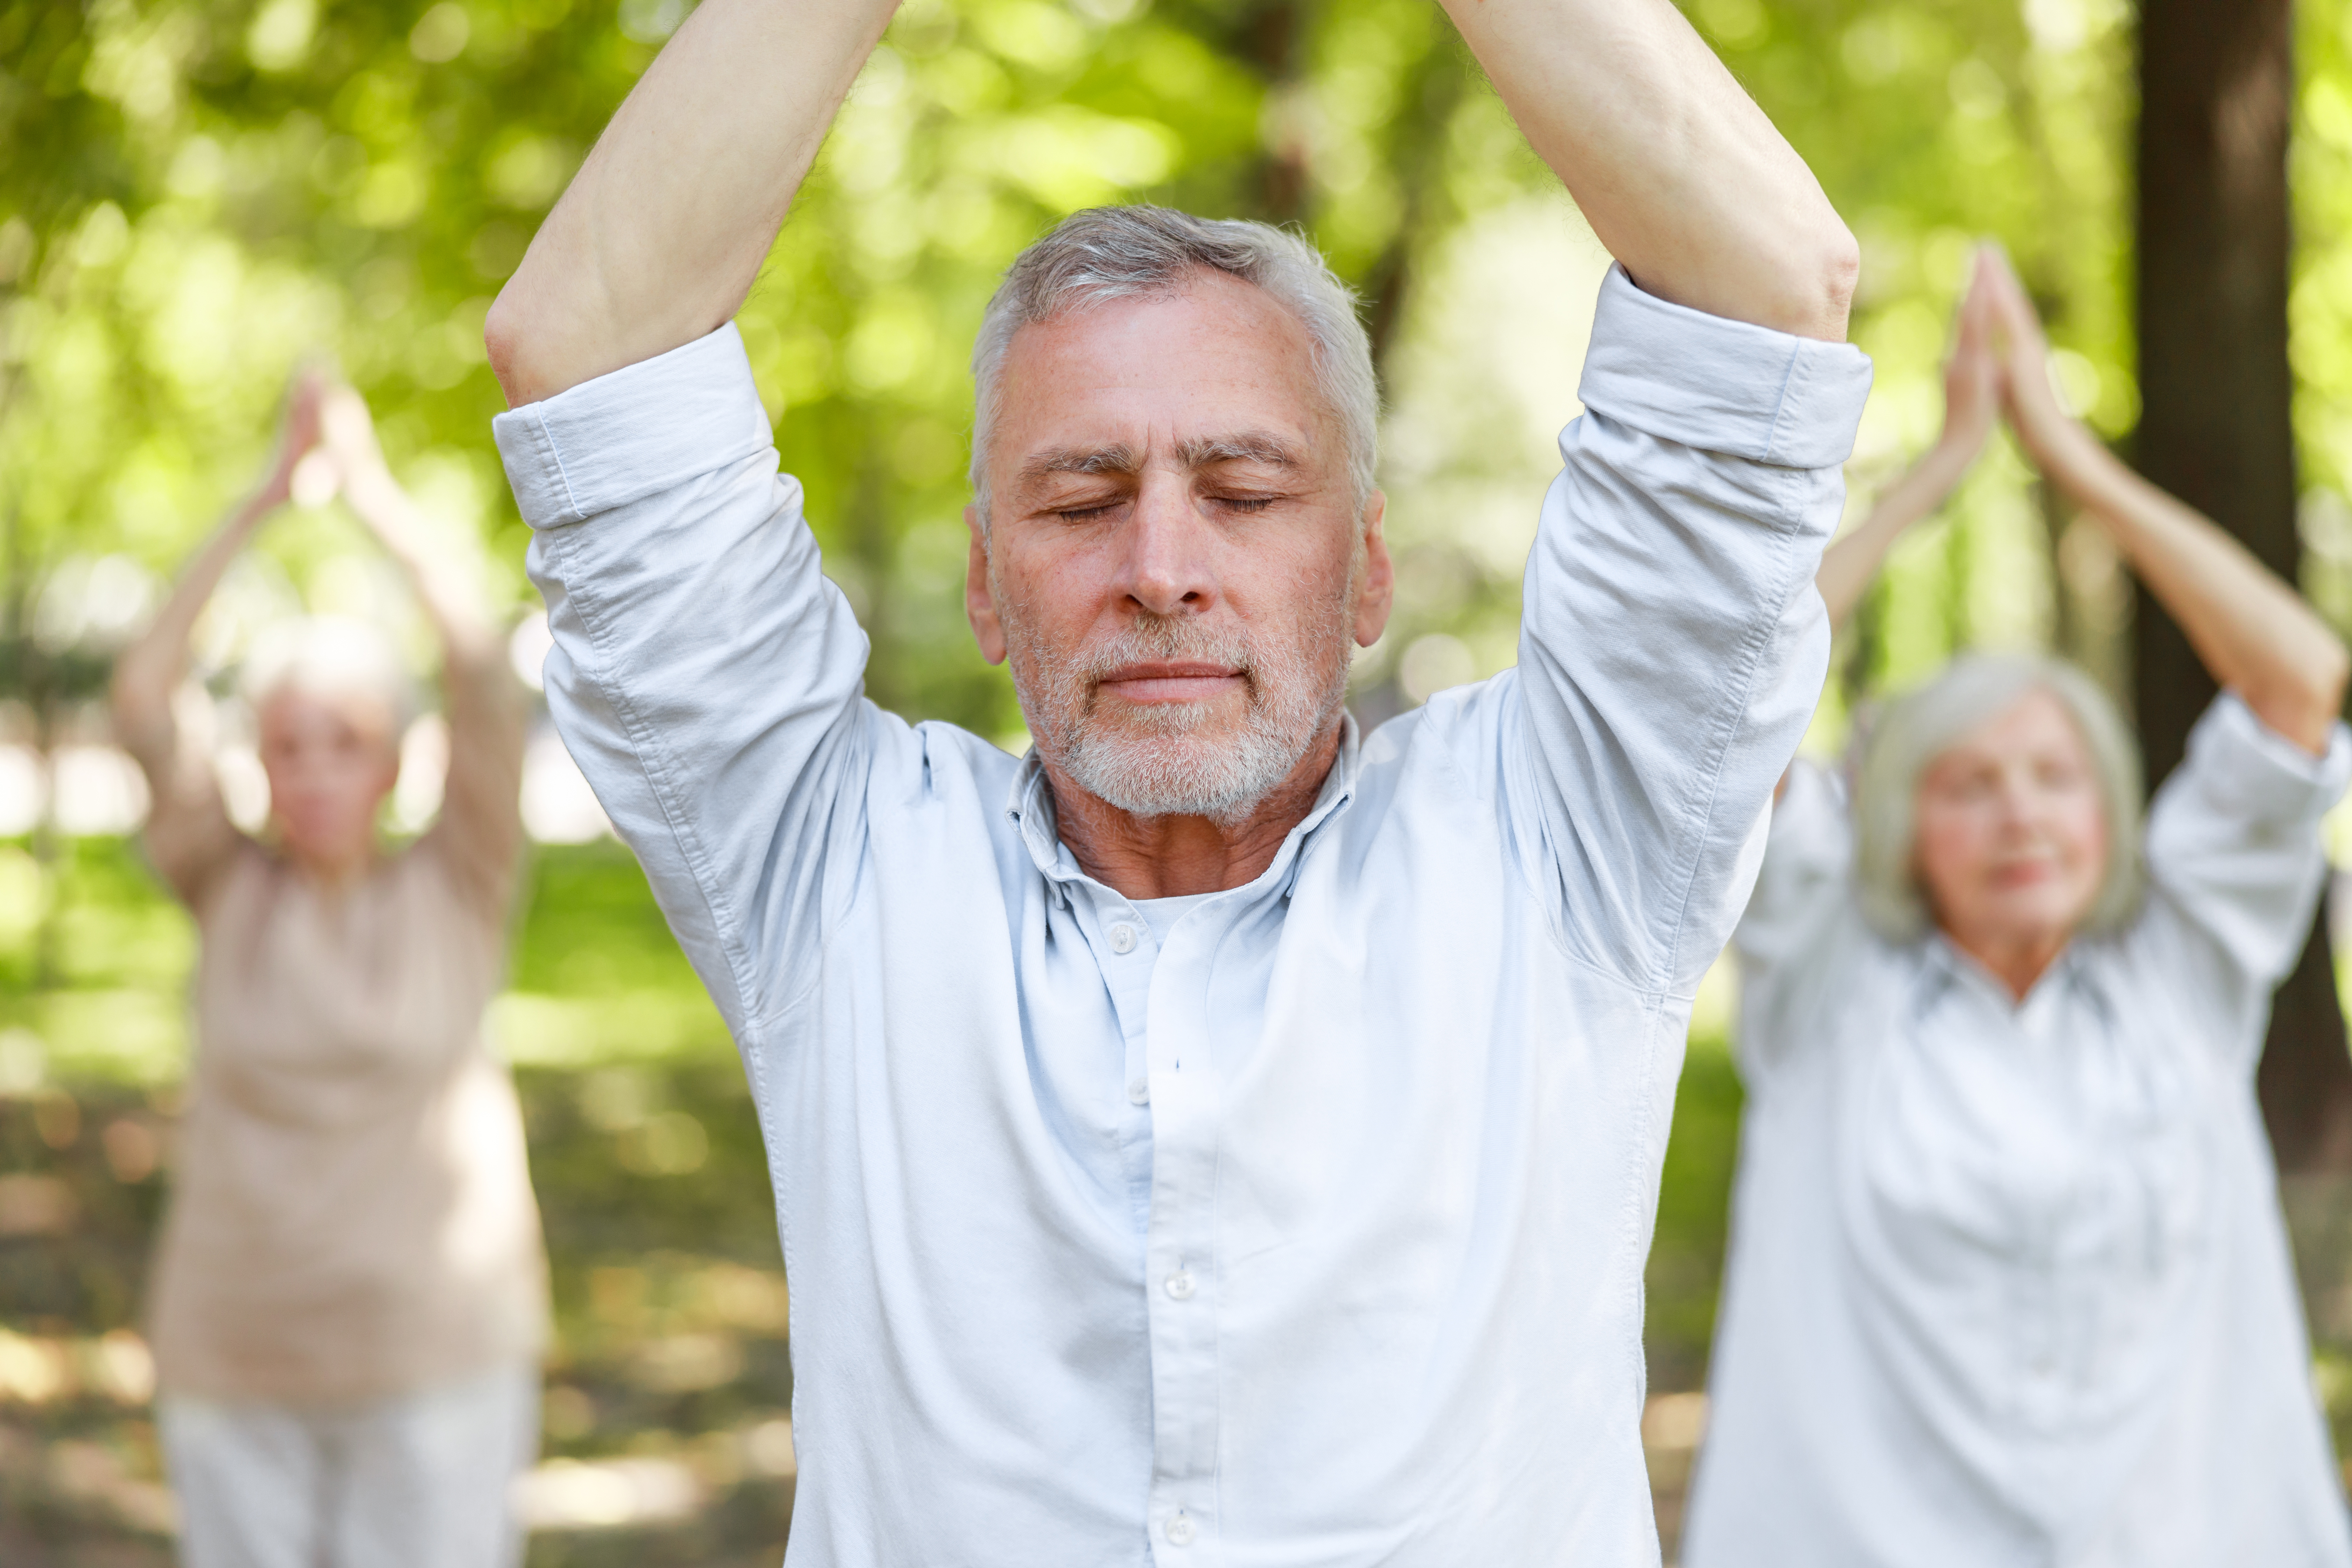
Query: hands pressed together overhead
327, 446
2253, 631
1999, 367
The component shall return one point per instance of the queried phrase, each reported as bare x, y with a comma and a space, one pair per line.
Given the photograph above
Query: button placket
1181, 1276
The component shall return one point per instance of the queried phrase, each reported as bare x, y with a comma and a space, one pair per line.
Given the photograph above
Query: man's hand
665, 228
1678, 171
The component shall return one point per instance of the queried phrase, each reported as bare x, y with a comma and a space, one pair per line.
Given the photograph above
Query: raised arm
2253, 632
706, 676
448, 583
664, 229
1971, 400
1678, 171
480, 829
187, 830
1672, 646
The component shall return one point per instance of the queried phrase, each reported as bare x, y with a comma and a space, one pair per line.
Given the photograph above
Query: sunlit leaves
198, 193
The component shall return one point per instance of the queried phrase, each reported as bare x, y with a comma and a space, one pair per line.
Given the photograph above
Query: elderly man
1216, 1138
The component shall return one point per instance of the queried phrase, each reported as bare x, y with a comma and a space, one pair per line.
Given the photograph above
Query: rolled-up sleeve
705, 675
2235, 864
1671, 645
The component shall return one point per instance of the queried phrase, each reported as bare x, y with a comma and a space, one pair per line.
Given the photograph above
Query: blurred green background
197, 194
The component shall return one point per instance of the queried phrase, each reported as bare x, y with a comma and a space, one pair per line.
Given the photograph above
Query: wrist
1956, 449
2078, 460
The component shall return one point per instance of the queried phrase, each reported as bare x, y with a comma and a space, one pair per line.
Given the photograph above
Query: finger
2013, 308
1976, 311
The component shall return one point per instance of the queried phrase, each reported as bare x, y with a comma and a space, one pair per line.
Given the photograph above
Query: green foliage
195, 195
2320, 308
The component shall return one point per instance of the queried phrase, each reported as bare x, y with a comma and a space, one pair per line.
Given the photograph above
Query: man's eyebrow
1113, 459
1199, 452
1245, 447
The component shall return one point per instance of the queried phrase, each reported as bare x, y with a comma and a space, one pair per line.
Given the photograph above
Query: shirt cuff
2250, 769
642, 429
1720, 386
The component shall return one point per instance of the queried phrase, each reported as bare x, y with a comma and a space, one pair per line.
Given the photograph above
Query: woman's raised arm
2253, 631
1971, 399
147, 672
187, 829
480, 826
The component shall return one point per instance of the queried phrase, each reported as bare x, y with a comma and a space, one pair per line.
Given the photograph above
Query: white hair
1103, 254
330, 656
1921, 725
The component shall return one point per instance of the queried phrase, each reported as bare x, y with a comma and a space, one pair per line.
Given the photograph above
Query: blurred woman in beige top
349, 1294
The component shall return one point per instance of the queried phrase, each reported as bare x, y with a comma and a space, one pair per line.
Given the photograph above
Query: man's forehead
1221, 343
1217, 371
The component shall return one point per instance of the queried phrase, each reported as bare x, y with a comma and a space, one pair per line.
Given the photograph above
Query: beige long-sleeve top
352, 1213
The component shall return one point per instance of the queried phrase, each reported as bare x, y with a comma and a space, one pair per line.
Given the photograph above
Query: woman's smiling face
2011, 831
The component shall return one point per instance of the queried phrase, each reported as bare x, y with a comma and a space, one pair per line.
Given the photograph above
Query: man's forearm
1680, 174
663, 231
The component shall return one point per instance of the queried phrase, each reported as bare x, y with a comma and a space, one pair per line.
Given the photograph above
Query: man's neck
1171, 856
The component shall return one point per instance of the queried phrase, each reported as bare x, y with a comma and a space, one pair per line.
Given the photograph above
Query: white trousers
405, 1482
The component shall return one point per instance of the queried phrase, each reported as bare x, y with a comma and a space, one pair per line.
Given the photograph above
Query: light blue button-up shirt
1306, 1225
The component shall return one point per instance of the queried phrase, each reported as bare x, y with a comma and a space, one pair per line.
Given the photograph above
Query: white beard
1157, 761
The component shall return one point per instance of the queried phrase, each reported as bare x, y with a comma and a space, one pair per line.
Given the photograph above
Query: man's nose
1169, 544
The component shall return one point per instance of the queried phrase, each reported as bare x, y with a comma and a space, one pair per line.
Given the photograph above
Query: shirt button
1179, 1530
1181, 1286
1122, 940
1139, 1092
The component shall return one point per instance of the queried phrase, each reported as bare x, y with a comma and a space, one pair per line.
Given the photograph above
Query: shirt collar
1030, 806
1945, 968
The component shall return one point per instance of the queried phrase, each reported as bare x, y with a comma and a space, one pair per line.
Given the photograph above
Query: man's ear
979, 601
1377, 594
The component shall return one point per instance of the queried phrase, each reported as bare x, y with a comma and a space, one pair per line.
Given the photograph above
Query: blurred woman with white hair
349, 1293
2009, 1281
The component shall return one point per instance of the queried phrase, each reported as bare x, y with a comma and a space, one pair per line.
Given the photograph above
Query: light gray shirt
2009, 1281
1310, 1229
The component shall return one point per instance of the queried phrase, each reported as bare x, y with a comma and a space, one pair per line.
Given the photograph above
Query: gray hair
330, 656
1921, 725
1103, 254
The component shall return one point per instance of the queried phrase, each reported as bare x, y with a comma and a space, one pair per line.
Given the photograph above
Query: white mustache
1165, 639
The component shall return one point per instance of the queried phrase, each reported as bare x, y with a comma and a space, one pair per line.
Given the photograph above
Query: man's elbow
1840, 272
1824, 279
508, 337
2328, 680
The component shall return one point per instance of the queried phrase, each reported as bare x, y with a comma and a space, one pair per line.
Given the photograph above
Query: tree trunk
2216, 96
